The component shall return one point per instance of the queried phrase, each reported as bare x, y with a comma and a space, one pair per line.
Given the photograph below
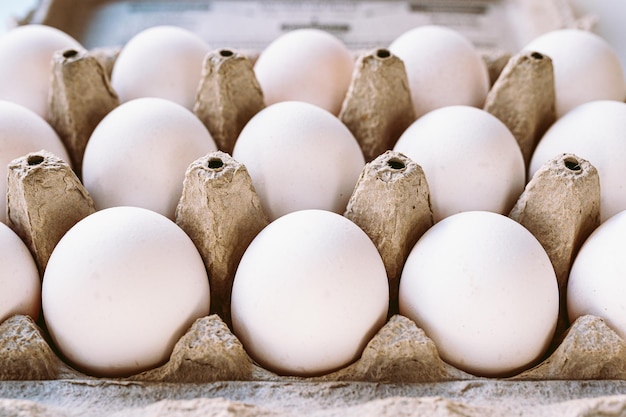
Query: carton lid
251, 25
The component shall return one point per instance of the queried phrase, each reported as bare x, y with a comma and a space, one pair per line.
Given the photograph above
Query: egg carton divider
399, 353
399, 370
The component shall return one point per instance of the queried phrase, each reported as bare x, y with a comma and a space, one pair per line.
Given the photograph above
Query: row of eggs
311, 289
313, 66
125, 283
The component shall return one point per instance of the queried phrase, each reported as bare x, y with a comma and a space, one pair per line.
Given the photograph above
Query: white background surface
10, 8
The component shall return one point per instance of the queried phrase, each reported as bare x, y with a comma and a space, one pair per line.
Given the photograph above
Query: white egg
120, 289
596, 282
483, 288
23, 131
309, 293
161, 61
443, 68
139, 153
26, 64
471, 160
586, 68
299, 156
19, 277
594, 131
306, 65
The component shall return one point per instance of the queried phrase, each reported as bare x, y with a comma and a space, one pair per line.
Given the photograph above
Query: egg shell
483, 289
19, 277
26, 64
308, 65
594, 131
299, 156
161, 61
120, 288
309, 293
139, 152
23, 131
586, 67
443, 68
470, 158
596, 282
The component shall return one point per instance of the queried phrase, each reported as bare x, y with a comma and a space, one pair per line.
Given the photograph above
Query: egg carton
209, 354
400, 371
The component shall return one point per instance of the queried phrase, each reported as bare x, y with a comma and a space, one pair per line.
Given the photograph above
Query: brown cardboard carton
399, 372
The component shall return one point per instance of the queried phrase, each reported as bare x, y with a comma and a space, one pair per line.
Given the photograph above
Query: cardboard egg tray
400, 371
